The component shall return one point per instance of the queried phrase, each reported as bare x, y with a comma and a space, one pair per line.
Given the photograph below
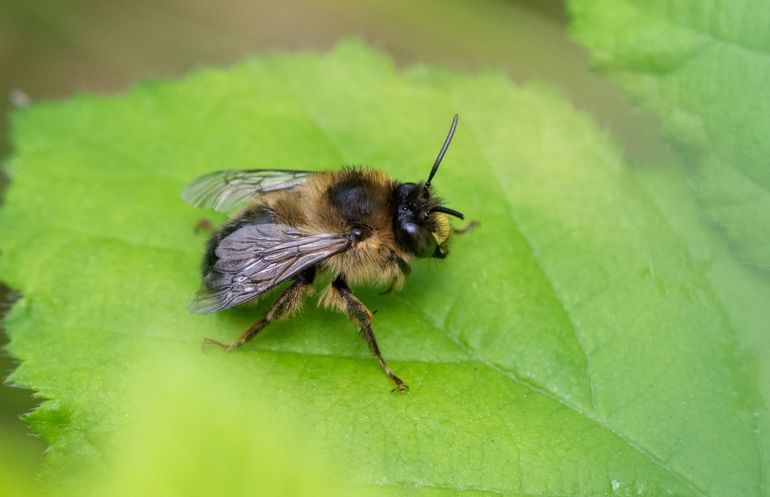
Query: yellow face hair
442, 228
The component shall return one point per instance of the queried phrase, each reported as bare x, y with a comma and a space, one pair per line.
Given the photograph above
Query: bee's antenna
447, 210
441, 154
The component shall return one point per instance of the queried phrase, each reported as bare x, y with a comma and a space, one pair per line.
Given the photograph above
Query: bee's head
421, 223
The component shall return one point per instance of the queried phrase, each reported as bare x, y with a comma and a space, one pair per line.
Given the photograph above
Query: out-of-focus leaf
17, 465
704, 68
205, 441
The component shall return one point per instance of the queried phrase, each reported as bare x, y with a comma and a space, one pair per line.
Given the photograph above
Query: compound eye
419, 239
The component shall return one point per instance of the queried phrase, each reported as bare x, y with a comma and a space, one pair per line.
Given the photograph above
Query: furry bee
357, 224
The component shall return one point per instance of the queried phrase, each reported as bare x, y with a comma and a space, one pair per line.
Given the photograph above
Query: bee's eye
418, 239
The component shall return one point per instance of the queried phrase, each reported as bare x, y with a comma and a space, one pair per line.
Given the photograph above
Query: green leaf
704, 68
577, 343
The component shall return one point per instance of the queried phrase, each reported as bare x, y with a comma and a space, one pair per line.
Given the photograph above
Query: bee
357, 224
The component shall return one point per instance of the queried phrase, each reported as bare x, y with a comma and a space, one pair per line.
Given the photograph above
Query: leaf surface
573, 345
704, 68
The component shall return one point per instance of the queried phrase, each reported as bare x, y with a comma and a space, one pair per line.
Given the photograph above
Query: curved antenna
447, 210
441, 153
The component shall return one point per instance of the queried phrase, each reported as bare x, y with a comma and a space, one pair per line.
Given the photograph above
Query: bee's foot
203, 225
400, 385
227, 347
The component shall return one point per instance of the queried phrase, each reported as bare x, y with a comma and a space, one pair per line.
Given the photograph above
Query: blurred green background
52, 49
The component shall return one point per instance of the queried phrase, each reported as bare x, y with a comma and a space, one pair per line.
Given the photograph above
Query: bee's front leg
357, 311
469, 226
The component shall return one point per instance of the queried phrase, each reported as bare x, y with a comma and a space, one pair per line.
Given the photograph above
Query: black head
421, 226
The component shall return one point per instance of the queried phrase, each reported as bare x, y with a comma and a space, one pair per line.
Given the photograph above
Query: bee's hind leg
289, 302
357, 311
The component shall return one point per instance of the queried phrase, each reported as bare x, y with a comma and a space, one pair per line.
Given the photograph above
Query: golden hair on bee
357, 224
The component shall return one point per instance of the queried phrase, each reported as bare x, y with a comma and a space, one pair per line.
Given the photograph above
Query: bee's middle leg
357, 311
403, 268
289, 302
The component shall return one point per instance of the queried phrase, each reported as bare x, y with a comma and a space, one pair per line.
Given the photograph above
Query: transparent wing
256, 258
223, 190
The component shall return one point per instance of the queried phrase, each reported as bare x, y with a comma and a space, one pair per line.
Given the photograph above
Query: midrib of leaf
535, 387
493, 492
603, 423
541, 389
725, 322
514, 376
